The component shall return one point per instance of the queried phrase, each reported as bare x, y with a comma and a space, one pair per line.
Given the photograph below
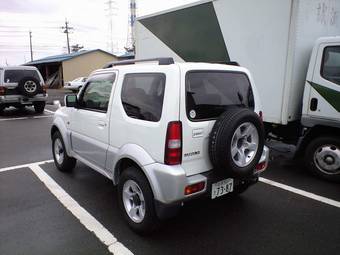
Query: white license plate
222, 187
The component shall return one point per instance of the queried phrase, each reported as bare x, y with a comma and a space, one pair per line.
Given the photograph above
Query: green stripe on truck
192, 33
330, 95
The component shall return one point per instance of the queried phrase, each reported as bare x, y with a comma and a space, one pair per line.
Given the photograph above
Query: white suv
164, 133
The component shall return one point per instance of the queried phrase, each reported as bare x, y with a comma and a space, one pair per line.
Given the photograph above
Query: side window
96, 95
330, 69
142, 95
17, 75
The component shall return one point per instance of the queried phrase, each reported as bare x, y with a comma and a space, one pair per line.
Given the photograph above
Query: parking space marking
4, 169
301, 192
26, 118
80, 213
48, 111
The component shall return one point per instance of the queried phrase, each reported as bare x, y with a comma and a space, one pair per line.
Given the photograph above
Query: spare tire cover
236, 142
29, 86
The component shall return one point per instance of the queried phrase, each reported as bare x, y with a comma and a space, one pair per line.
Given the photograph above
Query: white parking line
26, 118
81, 214
25, 165
48, 111
301, 192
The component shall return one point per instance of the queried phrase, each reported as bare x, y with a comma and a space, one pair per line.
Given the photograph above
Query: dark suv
22, 86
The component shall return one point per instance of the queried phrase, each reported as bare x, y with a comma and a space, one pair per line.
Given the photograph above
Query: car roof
18, 68
183, 66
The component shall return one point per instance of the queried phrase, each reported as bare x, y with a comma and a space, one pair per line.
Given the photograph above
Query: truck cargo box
272, 38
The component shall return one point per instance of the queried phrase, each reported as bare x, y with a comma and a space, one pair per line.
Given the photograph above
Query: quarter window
142, 95
96, 95
330, 69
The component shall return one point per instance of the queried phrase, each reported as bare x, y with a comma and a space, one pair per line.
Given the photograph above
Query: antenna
130, 42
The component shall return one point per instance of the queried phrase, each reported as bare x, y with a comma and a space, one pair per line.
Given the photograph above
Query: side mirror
71, 101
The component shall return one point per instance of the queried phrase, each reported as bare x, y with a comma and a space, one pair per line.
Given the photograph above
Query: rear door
90, 123
205, 95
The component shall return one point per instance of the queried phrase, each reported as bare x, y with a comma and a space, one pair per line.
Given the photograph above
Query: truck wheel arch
312, 133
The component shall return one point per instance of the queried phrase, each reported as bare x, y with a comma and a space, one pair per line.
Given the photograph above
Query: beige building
56, 70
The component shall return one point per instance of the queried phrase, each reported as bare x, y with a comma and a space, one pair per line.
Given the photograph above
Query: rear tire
39, 107
322, 157
136, 201
62, 161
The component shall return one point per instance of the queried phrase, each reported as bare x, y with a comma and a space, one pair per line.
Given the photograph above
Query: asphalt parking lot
43, 211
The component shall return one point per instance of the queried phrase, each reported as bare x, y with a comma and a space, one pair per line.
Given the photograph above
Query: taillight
2, 90
44, 87
173, 144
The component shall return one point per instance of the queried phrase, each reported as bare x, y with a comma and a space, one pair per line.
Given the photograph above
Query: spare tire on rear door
29, 86
236, 142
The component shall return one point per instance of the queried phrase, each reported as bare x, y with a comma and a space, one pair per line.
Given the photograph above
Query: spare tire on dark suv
236, 142
29, 86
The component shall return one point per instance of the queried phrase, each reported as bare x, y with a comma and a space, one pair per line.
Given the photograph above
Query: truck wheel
322, 157
136, 201
236, 142
2, 108
39, 107
62, 161
29, 86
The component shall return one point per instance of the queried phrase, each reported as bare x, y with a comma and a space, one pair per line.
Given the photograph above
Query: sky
89, 19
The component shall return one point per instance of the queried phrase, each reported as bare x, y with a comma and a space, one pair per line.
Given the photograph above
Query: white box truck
291, 48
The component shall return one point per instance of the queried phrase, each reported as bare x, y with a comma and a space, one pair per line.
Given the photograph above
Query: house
66, 67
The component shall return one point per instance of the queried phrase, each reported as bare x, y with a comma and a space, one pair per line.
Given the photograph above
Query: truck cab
321, 110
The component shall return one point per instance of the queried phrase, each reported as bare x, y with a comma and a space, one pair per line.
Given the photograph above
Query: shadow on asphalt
13, 112
263, 220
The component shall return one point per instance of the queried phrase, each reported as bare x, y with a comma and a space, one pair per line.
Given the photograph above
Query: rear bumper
168, 182
19, 99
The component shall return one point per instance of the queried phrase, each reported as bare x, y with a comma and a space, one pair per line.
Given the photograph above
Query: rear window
142, 95
209, 93
17, 75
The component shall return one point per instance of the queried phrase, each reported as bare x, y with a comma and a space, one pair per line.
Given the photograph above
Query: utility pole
130, 42
112, 12
67, 29
30, 33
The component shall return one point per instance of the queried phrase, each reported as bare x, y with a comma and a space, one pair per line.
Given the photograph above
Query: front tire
136, 201
63, 162
322, 157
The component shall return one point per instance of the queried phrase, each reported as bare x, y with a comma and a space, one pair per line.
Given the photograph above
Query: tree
76, 47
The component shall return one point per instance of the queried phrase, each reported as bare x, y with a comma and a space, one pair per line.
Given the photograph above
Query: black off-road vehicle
22, 86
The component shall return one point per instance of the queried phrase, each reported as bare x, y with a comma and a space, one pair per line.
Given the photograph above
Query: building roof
126, 55
64, 57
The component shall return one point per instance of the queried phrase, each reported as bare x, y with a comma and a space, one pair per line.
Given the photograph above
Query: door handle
101, 124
